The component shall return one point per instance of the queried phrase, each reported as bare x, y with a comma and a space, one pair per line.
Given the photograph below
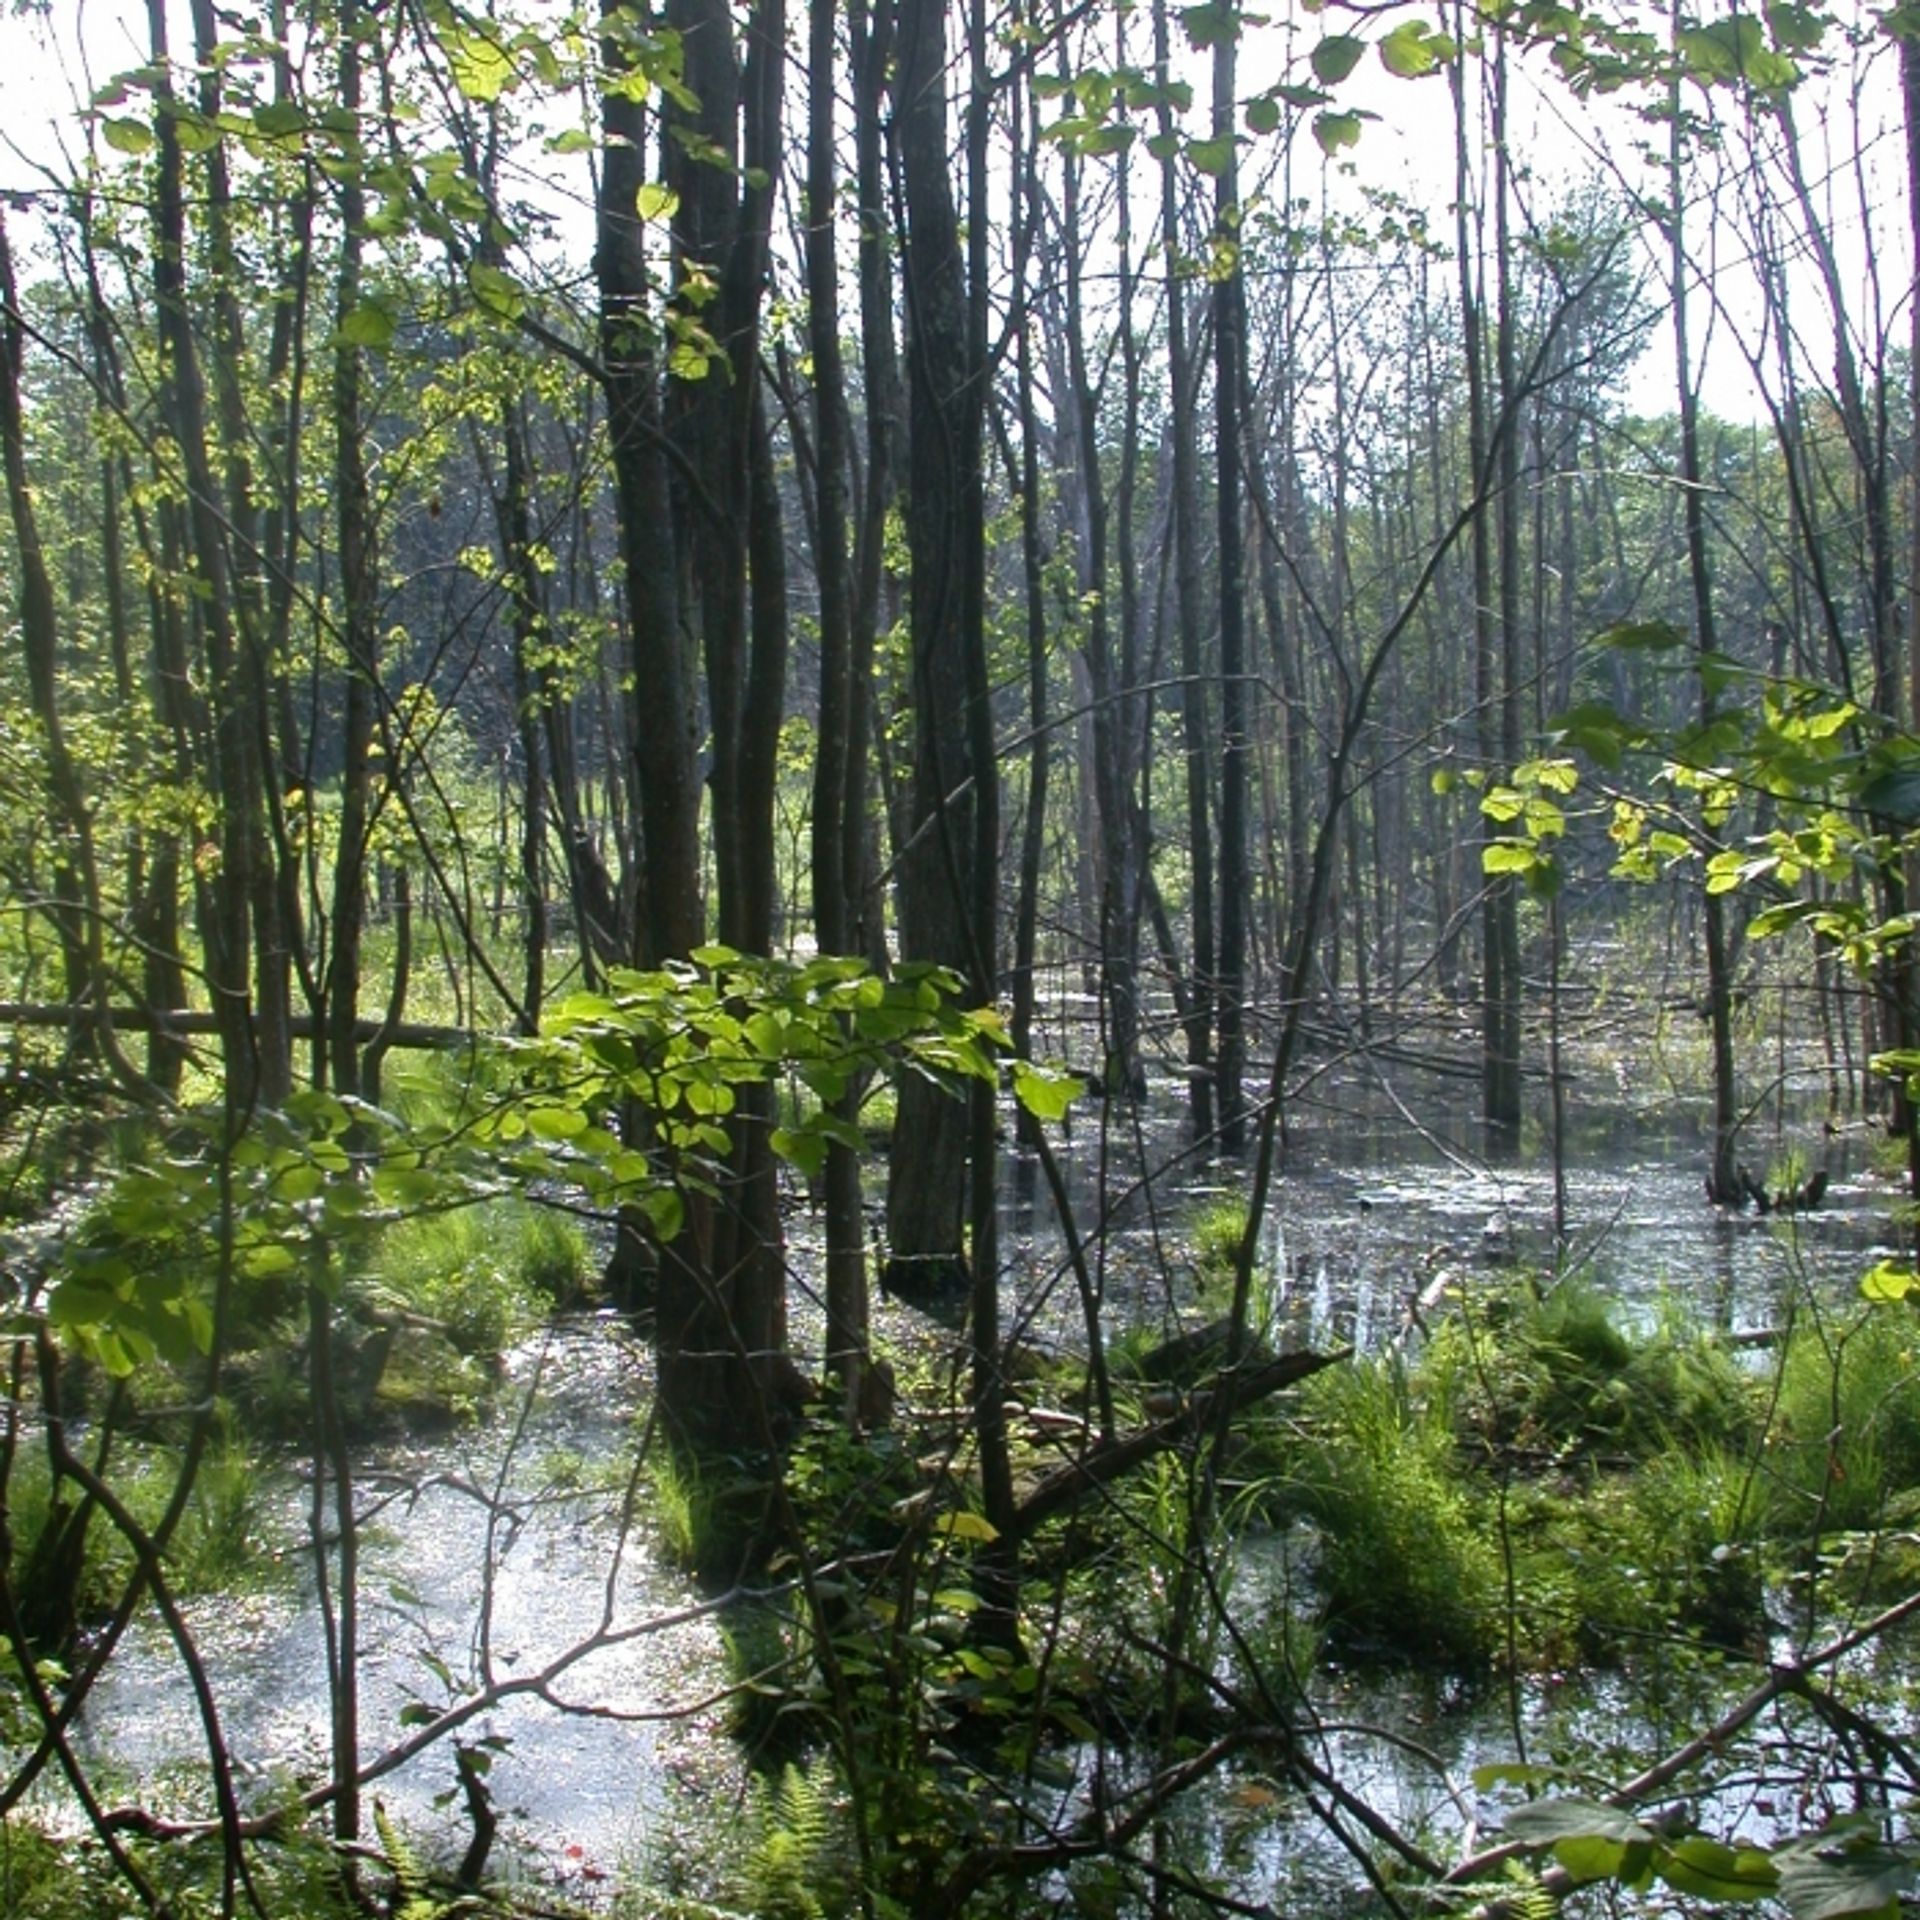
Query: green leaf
1336, 57
1600, 733
1507, 856
1542, 1823
1045, 1093
127, 136
1336, 131
1894, 795
666, 1212
405, 1186
655, 202
1714, 1871
195, 134
556, 1123
1797, 29
573, 140
1410, 51
481, 66
962, 1525
371, 324
302, 1182
497, 290
1211, 157
1512, 1773
804, 1149
1851, 1877
1594, 1856
1641, 636
279, 120
1263, 114
1210, 26
1888, 1282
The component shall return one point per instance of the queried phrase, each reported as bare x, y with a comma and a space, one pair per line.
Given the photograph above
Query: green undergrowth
1534, 1483
1541, 1482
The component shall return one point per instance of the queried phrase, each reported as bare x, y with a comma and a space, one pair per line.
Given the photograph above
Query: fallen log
191, 1020
1101, 1465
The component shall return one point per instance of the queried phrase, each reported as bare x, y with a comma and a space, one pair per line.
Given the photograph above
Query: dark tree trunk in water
1724, 1186
941, 862
1229, 378
1183, 382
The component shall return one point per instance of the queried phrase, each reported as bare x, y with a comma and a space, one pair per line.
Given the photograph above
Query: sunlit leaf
371, 324
127, 136
655, 202
962, 1525
1336, 131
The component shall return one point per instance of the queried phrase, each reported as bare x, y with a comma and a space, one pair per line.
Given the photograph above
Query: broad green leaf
804, 1149
666, 1212
1410, 51
1044, 1093
573, 140
195, 134
1641, 636
1336, 57
1336, 131
1508, 856
1795, 28
962, 1525
1790, 913
497, 290
1210, 26
1540, 1823
1714, 1871
405, 1186
1894, 795
556, 1123
370, 324
1263, 114
1512, 1773
1212, 157
1595, 1856
278, 119
655, 202
127, 136
302, 1182
1596, 730
1844, 1878
481, 66
1887, 1281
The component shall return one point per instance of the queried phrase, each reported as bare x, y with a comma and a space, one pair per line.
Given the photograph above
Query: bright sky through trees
1848, 112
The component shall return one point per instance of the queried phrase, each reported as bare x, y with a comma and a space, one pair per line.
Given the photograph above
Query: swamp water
509, 1542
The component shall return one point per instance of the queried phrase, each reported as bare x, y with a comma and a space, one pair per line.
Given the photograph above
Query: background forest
728, 736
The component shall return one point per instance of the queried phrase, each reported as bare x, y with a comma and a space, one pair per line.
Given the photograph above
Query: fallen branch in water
1105, 1463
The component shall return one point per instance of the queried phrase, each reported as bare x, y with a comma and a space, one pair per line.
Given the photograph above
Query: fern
793, 1867
413, 1898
